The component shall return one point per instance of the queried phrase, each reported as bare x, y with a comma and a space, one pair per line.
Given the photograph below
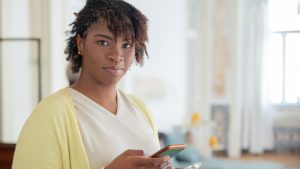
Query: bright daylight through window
284, 54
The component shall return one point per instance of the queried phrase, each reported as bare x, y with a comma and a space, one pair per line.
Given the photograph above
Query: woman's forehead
102, 26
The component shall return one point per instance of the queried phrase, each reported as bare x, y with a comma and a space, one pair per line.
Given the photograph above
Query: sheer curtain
255, 110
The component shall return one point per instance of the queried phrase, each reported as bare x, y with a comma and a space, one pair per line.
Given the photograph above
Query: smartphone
169, 150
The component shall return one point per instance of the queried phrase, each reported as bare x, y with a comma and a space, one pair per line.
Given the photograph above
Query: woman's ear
79, 43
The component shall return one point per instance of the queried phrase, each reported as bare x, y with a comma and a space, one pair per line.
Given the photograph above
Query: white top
106, 135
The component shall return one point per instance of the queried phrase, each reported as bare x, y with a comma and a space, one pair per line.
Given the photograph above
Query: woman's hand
135, 159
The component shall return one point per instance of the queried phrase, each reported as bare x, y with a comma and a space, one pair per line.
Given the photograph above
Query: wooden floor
289, 160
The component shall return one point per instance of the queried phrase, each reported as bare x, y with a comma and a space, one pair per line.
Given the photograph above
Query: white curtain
255, 110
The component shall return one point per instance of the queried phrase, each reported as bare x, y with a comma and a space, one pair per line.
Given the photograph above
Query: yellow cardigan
50, 138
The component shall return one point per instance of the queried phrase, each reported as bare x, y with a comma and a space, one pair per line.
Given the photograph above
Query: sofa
191, 155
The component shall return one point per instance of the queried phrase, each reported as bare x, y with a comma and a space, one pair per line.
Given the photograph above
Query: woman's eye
102, 43
127, 45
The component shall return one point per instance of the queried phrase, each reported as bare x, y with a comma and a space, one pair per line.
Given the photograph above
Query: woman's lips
114, 70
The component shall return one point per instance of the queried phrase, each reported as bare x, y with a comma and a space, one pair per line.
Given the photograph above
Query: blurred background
222, 75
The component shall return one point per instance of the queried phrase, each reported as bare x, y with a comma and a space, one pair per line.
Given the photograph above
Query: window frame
283, 104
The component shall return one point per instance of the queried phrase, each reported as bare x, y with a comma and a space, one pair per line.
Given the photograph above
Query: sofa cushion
189, 155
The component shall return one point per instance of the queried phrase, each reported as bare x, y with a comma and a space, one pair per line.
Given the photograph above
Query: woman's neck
106, 96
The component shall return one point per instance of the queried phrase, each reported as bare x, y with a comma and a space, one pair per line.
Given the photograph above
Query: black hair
122, 19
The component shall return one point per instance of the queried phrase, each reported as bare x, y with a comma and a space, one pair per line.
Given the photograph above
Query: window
284, 67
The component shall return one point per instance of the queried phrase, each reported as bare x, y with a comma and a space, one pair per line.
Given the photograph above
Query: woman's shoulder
55, 100
61, 96
55, 105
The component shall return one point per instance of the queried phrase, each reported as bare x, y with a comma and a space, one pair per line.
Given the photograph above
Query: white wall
57, 43
162, 83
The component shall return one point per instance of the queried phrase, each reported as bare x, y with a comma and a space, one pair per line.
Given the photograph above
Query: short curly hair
122, 19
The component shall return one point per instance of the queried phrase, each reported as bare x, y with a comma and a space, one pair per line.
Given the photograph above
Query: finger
134, 152
167, 165
152, 162
164, 165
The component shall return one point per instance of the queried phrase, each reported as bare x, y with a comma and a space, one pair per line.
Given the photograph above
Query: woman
93, 124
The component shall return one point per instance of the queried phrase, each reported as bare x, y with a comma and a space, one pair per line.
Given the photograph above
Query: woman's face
106, 58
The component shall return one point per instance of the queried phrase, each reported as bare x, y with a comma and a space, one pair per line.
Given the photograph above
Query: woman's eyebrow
104, 36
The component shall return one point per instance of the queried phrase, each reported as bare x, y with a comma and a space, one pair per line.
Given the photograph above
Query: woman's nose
115, 54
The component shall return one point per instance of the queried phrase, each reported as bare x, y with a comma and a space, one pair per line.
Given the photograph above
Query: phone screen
170, 153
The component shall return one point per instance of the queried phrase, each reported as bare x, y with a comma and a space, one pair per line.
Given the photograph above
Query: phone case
169, 150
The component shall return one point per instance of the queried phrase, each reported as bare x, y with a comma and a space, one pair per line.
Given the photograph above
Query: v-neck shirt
107, 135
